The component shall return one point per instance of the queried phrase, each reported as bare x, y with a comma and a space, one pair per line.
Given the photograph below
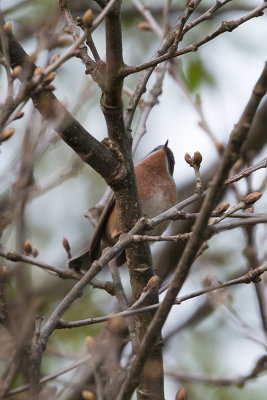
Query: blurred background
220, 335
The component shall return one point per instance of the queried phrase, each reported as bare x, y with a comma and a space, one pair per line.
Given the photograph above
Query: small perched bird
157, 193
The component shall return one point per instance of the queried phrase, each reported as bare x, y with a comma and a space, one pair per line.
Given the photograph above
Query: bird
157, 193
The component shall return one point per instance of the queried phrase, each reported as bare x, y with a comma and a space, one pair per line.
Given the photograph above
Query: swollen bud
66, 244
188, 159
16, 71
67, 30
88, 395
222, 208
50, 77
8, 27
38, 71
197, 158
19, 115
153, 281
181, 394
143, 26
88, 18
55, 58
27, 247
6, 134
252, 198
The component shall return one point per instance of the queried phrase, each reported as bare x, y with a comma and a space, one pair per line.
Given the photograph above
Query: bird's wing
87, 256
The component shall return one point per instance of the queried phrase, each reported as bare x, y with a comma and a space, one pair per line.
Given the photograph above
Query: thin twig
226, 26
251, 276
14, 256
149, 17
240, 381
48, 378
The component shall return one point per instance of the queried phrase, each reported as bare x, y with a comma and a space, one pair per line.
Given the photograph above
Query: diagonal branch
231, 154
226, 26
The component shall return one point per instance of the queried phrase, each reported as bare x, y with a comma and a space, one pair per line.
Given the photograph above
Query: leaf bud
19, 115
27, 247
6, 134
49, 78
188, 159
38, 71
222, 208
252, 198
66, 244
143, 26
88, 395
67, 30
197, 158
55, 58
153, 281
88, 18
8, 27
181, 394
16, 71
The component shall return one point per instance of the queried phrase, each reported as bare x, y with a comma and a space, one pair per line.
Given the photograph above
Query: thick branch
70, 130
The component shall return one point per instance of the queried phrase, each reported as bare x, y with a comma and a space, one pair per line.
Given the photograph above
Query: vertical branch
138, 258
36, 355
252, 258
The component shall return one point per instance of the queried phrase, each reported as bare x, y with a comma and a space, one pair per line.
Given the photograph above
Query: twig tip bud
88, 395
8, 27
188, 159
16, 72
88, 18
27, 247
181, 394
252, 198
197, 158
6, 134
143, 26
222, 208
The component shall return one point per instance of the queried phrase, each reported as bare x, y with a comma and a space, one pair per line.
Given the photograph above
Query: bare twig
14, 256
48, 378
173, 70
231, 154
149, 17
260, 367
226, 26
148, 105
251, 276
246, 172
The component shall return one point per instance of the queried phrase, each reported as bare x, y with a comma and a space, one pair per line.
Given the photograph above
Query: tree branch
231, 154
226, 26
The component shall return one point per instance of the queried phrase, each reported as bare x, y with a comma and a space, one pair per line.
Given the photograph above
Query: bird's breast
157, 198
